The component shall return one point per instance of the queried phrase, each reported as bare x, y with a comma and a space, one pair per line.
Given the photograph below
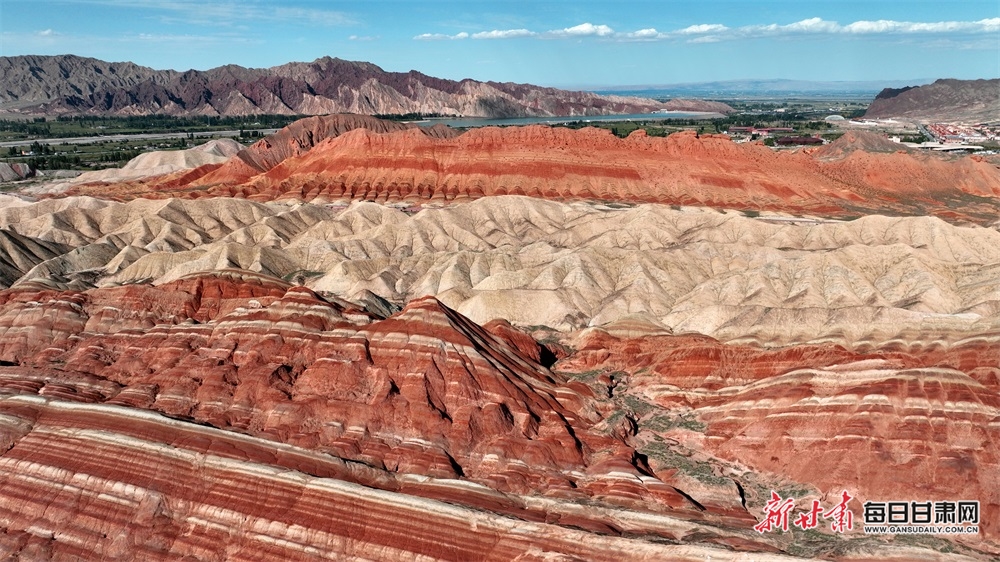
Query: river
468, 122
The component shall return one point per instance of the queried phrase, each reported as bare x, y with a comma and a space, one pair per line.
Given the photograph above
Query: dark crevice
455, 466
689, 498
546, 357
743, 495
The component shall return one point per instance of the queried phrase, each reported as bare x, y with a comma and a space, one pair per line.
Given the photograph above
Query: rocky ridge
510, 375
771, 280
68, 84
945, 100
304, 399
381, 162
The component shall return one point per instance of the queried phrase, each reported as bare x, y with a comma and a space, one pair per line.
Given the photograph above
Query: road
130, 137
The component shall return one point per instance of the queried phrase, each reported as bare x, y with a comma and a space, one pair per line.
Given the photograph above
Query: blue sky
556, 43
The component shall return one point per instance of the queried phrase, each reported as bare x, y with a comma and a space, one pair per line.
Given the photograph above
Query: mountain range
752, 88
944, 100
67, 84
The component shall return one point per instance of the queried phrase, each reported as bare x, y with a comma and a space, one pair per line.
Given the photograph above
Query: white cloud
583, 30
715, 32
866, 27
880, 26
440, 36
643, 34
812, 25
503, 34
706, 39
46, 33
703, 28
991, 25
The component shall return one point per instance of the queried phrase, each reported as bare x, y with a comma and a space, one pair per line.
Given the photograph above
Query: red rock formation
97, 481
322, 408
903, 421
425, 392
67, 84
299, 137
539, 161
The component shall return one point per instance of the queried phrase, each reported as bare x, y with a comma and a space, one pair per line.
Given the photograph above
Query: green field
804, 116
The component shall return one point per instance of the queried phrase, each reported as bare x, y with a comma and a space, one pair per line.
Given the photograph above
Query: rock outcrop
14, 172
947, 100
300, 137
377, 161
149, 164
215, 416
769, 280
819, 414
424, 403
75, 85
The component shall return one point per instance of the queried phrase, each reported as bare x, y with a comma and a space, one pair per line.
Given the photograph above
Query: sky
579, 43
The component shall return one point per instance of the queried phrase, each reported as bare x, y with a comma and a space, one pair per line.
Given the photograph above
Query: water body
471, 122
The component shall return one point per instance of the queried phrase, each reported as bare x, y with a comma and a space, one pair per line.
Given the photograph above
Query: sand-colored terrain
344, 158
362, 340
149, 164
769, 280
658, 447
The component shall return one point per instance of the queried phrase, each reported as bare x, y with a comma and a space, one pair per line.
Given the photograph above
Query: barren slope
66, 84
385, 164
971, 101
533, 262
426, 434
149, 164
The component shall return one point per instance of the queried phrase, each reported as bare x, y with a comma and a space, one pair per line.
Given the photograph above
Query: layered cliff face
368, 354
75, 85
883, 423
325, 410
300, 137
971, 101
425, 403
349, 158
450, 438
770, 280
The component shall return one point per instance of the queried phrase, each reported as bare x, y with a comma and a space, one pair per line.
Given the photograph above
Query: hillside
66, 84
218, 408
537, 262
945, 100
343, 158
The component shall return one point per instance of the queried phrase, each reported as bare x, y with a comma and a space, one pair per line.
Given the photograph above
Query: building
790, 140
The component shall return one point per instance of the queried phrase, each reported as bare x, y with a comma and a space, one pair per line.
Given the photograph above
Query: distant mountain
760, 88
67, 84
944, 100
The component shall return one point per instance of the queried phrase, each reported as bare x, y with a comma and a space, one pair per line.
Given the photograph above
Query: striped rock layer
235, 417
860, 173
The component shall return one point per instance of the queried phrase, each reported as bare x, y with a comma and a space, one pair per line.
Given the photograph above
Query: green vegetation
87, 156
811, 543
92, 126
664, 423
638, 405
622, 129
701, 471
411, 116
